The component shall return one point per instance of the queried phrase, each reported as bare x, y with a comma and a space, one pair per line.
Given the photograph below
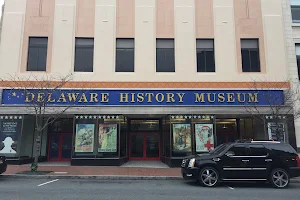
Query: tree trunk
34, 165
37, 144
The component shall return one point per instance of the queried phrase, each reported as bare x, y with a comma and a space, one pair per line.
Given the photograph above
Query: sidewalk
100, 172
97, 171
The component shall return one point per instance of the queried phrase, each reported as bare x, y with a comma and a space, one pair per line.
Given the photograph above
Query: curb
113, 177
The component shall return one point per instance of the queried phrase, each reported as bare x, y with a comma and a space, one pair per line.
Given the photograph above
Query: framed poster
182, 138
107, 139
204, 137
276, 131
84, 141
9, 132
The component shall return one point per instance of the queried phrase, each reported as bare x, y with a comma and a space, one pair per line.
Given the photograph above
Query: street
56, 189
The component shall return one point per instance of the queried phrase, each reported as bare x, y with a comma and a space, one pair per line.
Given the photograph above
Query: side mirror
229, 154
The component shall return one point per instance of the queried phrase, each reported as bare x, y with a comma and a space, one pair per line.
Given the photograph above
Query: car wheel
208, 177
279, 178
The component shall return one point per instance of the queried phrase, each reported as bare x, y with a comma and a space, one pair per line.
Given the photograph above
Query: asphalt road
38, 189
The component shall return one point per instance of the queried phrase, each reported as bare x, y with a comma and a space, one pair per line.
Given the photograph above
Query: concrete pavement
70, 189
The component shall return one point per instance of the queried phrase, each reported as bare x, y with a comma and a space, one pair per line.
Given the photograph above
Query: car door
235, 162
260, 161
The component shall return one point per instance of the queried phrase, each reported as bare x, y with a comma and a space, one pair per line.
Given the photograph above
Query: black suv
270, 161
3, 164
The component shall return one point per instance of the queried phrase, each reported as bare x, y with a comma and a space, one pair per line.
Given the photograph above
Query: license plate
1, 161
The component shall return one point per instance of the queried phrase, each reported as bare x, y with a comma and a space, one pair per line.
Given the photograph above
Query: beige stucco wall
219, 18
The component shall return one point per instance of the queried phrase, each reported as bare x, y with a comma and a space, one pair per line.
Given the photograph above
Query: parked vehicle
271, 161
3, 164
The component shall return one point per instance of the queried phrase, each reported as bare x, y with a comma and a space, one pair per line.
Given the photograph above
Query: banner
84, 141
144, 97
107, 138
204, 137
9, 132
182, 140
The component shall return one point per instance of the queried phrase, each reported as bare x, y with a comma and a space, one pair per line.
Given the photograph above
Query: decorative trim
275, 116
11, 117
192, 116
200, 85
91, 117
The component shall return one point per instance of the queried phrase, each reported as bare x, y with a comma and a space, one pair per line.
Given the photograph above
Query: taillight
298, 161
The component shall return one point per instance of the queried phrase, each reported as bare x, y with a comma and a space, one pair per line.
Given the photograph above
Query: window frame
125, 49
173, 61
295, 7
249, 56
205, 57
297, 58
93, 48
38, 46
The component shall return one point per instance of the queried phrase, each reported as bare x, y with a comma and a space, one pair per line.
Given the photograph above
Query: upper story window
295, 6
125, 55
250, 55
298, 58
205, 55
165, 58
84, 54
37, 54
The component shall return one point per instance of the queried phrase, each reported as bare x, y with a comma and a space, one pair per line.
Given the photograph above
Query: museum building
151, 79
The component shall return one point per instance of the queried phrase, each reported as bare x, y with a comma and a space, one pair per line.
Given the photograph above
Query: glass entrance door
144, 146
60, 147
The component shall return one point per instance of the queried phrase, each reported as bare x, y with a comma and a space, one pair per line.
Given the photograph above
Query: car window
282, 149
238, 150
219, 149
257, 150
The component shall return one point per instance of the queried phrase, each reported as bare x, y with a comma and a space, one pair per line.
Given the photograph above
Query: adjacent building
151, 79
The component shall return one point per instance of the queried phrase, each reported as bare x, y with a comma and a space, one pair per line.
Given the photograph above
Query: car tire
208, 177
279, 178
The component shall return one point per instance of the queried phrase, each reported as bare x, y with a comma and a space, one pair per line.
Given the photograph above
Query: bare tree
277, 106
38, 91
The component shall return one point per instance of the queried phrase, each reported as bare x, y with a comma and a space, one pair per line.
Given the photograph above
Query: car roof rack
265, 141
256, 141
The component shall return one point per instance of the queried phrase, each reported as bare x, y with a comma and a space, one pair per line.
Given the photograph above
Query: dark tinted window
238, 150
219, 149
37, 54
165, 58
84, 55
257, 150
205, 56
296, 14
282, 149
125, 55
250, 55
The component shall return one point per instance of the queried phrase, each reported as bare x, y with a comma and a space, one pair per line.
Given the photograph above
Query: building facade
151, 79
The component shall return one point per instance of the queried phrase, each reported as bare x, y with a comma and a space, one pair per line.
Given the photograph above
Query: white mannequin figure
7, 146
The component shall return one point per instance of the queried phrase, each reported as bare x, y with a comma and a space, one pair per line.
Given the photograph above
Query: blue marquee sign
143, 97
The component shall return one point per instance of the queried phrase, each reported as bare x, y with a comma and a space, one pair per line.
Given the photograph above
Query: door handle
245, 160
268, 160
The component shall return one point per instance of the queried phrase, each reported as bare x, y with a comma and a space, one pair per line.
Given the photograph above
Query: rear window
282, 149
